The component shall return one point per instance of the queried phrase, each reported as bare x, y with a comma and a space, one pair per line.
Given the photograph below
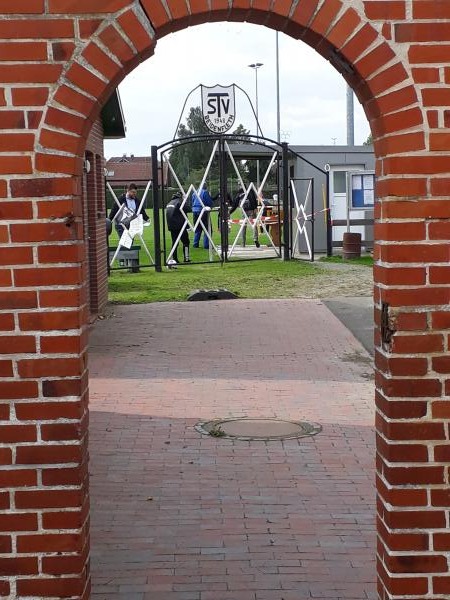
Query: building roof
121, 170
256, 151
124, 169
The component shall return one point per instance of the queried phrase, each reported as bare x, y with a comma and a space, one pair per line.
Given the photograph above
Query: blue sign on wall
362, 186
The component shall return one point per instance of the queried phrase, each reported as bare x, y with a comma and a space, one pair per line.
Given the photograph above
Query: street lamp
255, 67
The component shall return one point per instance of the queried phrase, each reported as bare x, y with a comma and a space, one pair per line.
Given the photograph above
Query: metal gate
228, 235
281, 226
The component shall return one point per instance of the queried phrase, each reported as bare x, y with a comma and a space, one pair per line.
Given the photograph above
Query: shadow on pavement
357, 315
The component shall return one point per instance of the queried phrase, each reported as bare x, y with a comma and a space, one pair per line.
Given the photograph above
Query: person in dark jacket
250, 207
199, 201
175, 223
131, 202
230, 207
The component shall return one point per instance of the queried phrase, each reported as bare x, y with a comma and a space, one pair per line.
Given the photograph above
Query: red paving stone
181, 516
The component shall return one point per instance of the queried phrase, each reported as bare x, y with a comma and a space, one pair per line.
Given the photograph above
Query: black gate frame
284, 188
313, 212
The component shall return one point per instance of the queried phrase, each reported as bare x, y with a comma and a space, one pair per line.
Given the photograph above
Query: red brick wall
57, 66
94, 220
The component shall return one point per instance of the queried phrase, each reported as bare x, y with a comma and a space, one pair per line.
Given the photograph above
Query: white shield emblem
218, 107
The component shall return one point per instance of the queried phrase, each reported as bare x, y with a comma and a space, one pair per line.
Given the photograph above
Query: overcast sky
312, 92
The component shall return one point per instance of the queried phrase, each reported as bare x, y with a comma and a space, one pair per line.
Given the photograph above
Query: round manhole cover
258, 429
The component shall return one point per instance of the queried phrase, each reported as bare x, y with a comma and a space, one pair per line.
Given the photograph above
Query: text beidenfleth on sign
218, 107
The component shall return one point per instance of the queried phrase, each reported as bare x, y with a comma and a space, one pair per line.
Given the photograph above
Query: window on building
339, 182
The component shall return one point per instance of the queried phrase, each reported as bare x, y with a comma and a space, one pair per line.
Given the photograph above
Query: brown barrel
351, 246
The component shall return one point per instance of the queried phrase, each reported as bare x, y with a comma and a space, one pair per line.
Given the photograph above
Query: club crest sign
218, 107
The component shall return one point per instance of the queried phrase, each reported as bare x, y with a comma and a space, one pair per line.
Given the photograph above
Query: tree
189, 159
242, 132
369, 140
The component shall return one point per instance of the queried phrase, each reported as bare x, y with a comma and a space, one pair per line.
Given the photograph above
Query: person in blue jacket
197, 208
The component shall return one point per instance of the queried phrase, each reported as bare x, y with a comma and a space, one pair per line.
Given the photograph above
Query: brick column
43, 394
412, 392
50, 97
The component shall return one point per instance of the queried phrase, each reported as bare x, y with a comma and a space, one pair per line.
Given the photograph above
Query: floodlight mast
255, 66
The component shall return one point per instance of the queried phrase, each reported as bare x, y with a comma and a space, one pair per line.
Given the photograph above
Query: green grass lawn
252, 279
197, 254
271, 278
365, 260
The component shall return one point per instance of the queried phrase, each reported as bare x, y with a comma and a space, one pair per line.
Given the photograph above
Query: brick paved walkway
180, 516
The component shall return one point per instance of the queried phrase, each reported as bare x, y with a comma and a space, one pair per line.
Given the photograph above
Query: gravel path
332, 280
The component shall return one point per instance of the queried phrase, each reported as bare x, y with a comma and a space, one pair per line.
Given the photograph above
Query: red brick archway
59, 63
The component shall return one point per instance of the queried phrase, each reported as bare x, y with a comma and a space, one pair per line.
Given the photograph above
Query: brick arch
391, 53
354, 47
91, 73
